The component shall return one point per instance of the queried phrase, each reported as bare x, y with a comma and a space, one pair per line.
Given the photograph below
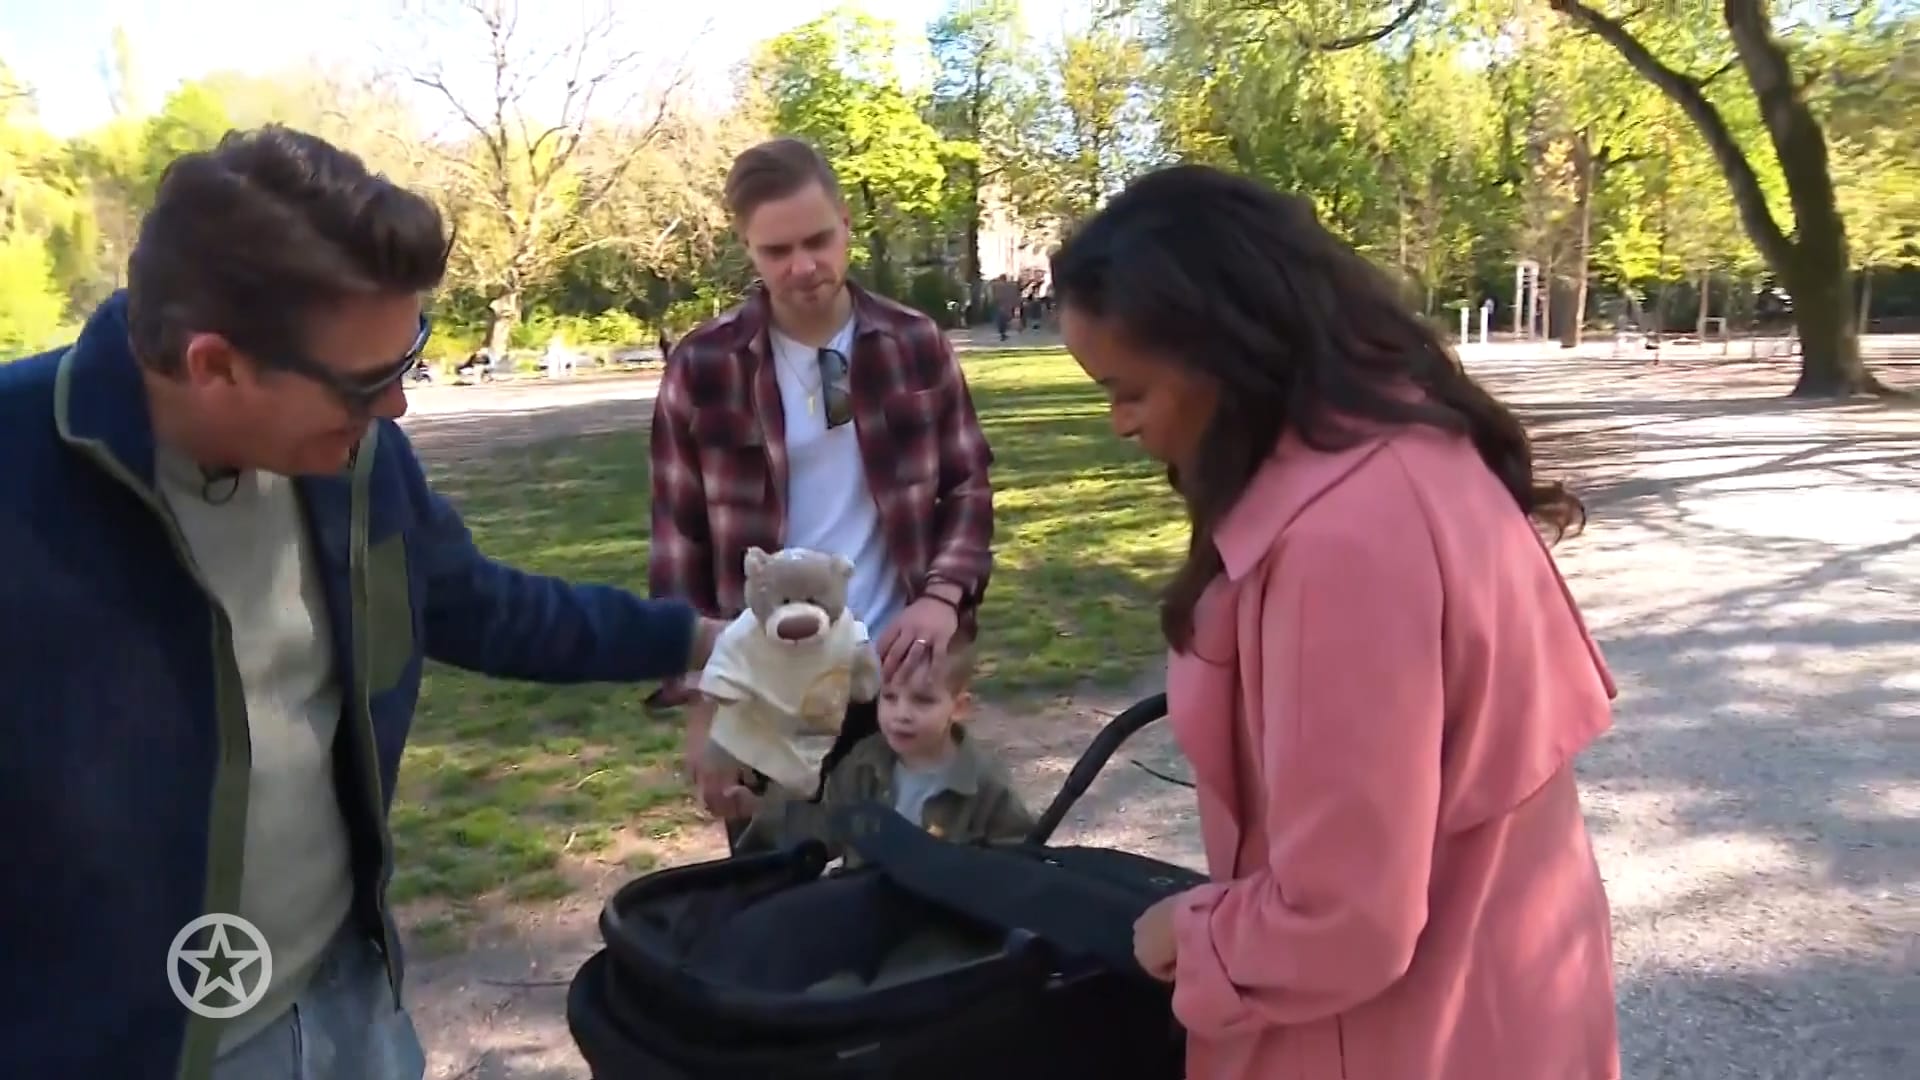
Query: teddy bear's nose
795, 628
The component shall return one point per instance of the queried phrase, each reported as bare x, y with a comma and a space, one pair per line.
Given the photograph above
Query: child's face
917, 714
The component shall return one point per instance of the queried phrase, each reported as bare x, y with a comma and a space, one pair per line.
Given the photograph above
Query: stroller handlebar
1117, 731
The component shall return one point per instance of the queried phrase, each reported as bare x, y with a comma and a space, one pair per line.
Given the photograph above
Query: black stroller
933, 961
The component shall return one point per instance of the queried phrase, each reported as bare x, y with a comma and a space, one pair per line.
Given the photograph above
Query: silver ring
920, 641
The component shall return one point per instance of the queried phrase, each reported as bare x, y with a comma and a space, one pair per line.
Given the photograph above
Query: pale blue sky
57, 46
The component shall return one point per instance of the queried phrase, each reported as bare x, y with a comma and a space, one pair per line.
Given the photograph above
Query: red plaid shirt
720, 457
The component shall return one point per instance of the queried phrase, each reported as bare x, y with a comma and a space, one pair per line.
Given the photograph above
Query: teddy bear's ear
843, 566
756, 560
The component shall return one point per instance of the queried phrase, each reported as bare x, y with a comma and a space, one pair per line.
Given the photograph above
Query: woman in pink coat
1377, 672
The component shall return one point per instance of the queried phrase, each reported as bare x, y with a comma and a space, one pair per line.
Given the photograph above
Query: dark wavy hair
1242, 283
250, 238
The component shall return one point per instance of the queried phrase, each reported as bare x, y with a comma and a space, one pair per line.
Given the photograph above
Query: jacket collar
964, 773
753, 318
100, 399
1293, 477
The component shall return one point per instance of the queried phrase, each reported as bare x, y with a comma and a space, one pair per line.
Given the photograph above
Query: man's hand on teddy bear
681, 689
715, 773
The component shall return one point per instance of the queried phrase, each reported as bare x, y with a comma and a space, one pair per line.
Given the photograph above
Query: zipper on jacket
233, 764
362, 466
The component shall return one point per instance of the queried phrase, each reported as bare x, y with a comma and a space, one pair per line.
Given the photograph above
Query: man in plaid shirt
818, 415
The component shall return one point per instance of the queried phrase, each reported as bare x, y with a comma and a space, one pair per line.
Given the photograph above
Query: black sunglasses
835, 386
358, 391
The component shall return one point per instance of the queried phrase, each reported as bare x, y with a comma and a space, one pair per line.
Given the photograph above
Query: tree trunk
1541, 317
976, 110
1700, 321
880, 259
975, 293
1866, 298
503, 312
1584, 168
1830, 364
1814, 264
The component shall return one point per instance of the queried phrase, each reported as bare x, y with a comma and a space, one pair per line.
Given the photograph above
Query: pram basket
932, 961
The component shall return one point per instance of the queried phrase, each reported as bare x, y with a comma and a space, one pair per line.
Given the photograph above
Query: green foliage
193, 118
452, 342
1870, 91
1479, 132
613, 328
832, 81
31, 307
932, 291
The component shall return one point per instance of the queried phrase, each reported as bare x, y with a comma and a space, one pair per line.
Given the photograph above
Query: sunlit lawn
503, 780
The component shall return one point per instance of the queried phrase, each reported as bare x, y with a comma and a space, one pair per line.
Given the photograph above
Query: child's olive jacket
977, 804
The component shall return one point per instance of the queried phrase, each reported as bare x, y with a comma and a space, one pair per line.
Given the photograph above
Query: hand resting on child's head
922, 762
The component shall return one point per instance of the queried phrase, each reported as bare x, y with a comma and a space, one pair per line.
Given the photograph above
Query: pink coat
1390, 684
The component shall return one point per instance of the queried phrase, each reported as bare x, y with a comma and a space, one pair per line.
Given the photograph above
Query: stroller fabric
931, 961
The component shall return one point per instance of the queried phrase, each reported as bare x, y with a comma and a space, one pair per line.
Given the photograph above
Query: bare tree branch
1269, 24
1685, 92
1368, 37
543, 147
1706, 80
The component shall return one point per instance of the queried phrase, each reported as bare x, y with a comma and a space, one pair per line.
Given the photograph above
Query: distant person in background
478, 364
818, 415
559, 359
225, 571
1006, 304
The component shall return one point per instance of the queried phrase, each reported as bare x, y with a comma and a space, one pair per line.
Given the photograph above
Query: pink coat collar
1292, 478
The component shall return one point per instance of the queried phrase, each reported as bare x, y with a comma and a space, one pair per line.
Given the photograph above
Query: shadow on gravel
1816, 1019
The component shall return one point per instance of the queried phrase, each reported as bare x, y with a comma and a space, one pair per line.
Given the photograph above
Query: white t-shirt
830, 506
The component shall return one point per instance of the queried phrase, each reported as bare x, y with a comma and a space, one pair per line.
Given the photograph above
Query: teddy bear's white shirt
778, 701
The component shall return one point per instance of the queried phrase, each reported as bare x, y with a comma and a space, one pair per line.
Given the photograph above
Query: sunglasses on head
834, 386
358, 391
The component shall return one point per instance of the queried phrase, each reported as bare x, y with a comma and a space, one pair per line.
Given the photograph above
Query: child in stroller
922, 762
765, 967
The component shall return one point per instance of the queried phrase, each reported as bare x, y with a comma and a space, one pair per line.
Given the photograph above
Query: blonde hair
962, 655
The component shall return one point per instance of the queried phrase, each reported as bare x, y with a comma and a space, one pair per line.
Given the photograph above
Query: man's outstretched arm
485, 616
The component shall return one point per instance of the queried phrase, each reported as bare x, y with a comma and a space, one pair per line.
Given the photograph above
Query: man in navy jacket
221, 567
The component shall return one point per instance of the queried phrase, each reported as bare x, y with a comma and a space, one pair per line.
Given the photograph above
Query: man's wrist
946, 592
706, 631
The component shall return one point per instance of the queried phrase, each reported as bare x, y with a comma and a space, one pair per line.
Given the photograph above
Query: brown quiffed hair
773, 170
250, 238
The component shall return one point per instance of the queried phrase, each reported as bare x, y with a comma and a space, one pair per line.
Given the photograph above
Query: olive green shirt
975, 801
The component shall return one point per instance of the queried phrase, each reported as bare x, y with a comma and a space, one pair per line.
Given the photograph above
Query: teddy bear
784, 670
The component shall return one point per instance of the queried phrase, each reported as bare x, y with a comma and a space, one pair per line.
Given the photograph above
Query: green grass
503, 781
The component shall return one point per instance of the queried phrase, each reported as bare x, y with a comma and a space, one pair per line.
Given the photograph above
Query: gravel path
1753, 573
1752, 569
